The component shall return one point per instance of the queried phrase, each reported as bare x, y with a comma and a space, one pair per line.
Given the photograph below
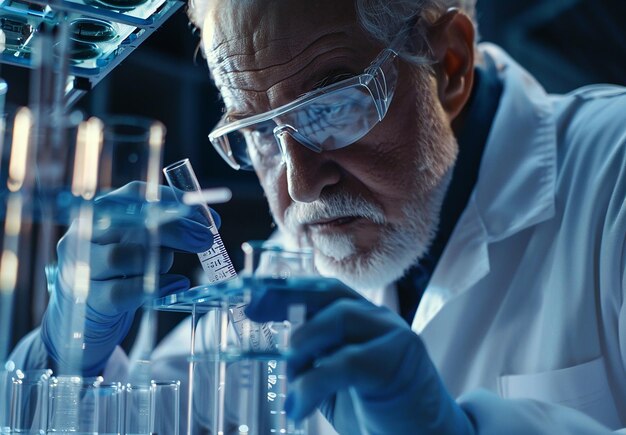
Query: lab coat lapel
515, 186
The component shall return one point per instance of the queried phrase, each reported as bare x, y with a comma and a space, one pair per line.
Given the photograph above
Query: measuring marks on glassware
216, 262
254, 337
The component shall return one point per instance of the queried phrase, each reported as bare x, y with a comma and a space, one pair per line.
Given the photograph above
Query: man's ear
451, 41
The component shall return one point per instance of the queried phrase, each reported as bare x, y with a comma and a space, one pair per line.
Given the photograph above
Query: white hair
383, 20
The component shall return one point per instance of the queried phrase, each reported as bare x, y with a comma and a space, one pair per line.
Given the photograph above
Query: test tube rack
102, 33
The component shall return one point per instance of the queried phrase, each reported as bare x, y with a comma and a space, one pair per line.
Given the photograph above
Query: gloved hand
117, 264
349, 344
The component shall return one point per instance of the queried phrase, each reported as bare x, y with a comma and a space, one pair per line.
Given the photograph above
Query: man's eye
265, 129
333, 77
260, 131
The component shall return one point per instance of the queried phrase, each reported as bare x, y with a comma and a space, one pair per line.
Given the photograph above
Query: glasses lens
232, 148
261, 144
330, 121
337, 119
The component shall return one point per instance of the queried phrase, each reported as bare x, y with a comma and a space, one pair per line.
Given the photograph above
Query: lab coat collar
515, 187
517, 178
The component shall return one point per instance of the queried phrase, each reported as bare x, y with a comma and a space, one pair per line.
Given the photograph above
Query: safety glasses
325, 119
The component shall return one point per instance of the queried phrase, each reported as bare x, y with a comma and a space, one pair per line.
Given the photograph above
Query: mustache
331, 206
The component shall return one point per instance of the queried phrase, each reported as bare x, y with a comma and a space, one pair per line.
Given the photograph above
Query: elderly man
359, 118
437, 179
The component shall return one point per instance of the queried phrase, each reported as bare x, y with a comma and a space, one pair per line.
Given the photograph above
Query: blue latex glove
117, 265
349, 344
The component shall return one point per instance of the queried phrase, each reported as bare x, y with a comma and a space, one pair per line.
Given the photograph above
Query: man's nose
308, 172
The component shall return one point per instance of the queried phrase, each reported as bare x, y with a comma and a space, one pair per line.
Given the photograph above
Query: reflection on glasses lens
326, 119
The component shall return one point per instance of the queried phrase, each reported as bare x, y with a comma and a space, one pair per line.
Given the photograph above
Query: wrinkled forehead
247, 34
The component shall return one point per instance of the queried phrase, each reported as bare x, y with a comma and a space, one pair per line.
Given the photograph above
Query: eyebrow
332, 77
235, 115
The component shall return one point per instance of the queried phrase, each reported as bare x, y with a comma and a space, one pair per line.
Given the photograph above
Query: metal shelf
102, 34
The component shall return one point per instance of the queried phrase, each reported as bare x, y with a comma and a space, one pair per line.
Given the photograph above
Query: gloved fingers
180, 235
120, 260
115, 296
346, 321
272, 298
187, 233
198, 212
172, 283
109, 260
133, 192
356, 365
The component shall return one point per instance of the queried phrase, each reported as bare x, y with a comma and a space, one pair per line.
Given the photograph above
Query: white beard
399, 247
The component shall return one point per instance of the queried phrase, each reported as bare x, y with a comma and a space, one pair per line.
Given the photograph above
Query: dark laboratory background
565, 44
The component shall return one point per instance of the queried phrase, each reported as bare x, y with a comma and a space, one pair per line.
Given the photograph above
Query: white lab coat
527, 298
526, 301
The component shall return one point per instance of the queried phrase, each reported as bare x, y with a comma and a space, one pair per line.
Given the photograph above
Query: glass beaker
72, 404
153, 409
126, 151
165, 407
29, 401
252, 386
137, 409
267, 263
109, 404
6, 389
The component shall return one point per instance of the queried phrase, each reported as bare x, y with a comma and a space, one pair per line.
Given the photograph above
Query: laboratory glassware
254, 387
126, 150
6, 389
215, 261
131, 162
267, 260
83, 188
72, 405
152, 409
29, 401
218, 268
138, 410
109, 405
20, 182
165, 407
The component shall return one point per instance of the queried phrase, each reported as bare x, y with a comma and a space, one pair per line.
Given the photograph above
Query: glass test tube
215, 261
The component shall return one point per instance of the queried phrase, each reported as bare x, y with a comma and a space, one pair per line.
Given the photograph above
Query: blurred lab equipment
262, 347
19, 185
93, 36
29, 401
109, 403
238, 367
218, 268
165, 407
72, 330
60, 169
73, 404
153, 409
